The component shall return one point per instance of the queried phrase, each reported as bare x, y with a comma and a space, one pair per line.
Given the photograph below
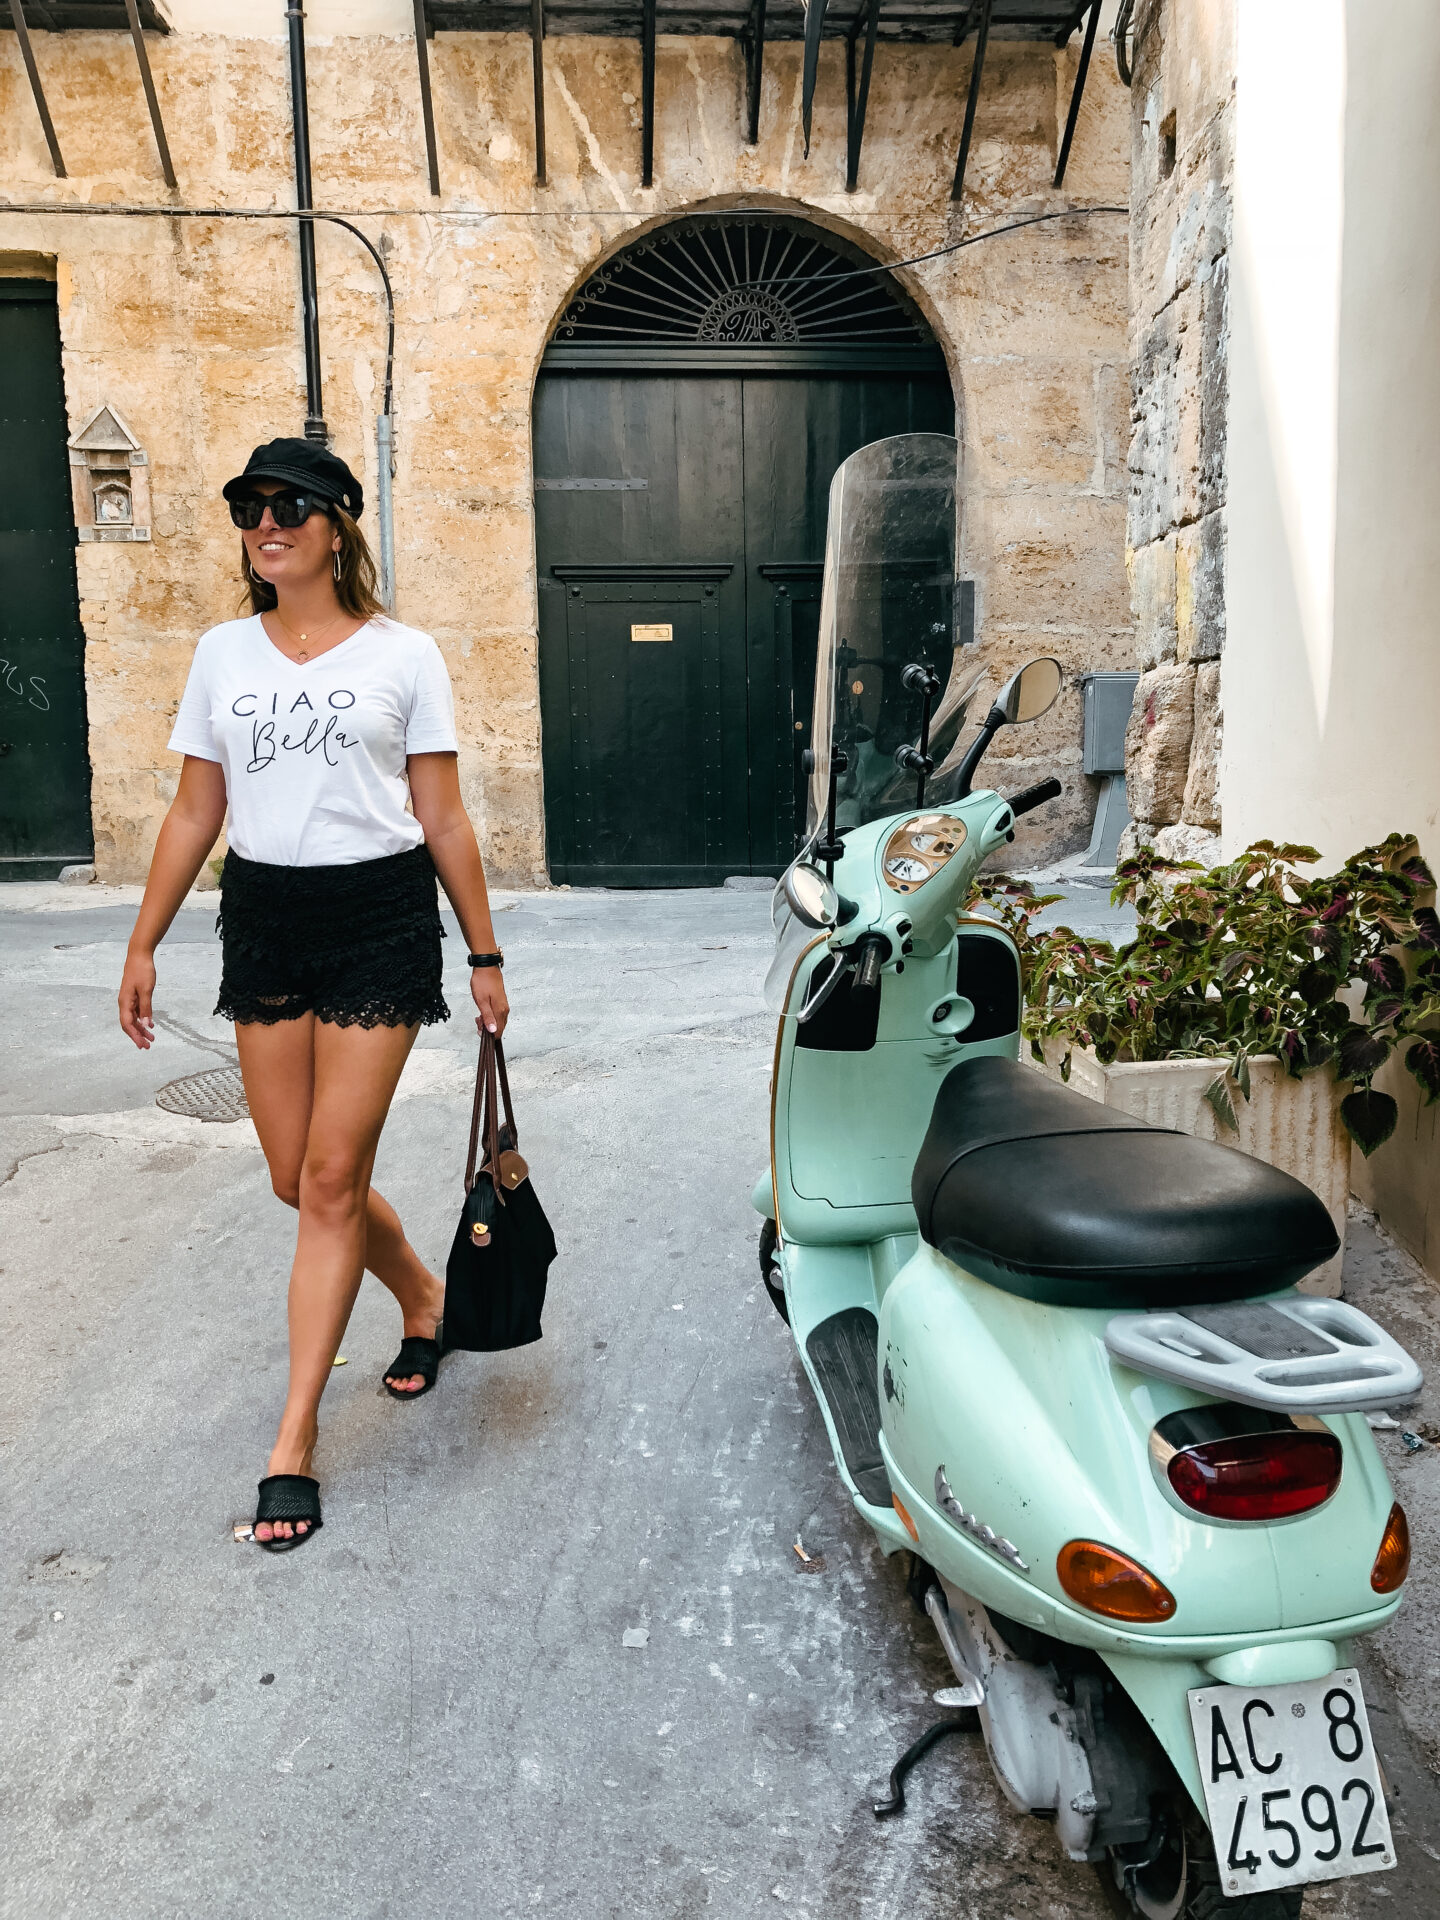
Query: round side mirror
1030, 692
812, 899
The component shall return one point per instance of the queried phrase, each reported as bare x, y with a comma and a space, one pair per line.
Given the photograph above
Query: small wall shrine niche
110, 479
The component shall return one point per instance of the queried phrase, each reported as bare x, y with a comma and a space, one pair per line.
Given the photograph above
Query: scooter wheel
770, 1273
1174, 1875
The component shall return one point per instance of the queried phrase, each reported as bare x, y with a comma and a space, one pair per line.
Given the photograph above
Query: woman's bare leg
353, 1078
278, 1064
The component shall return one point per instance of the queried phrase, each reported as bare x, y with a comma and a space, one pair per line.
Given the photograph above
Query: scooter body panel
848, 1120
1045, 1438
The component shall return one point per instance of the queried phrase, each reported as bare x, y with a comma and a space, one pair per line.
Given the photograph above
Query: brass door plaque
660, 630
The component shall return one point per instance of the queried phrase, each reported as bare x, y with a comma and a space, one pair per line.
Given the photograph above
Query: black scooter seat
1047, 1194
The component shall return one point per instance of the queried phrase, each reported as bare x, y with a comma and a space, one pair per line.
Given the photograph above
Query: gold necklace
304, 653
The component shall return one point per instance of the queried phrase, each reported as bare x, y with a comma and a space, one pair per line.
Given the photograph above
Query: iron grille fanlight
738, 283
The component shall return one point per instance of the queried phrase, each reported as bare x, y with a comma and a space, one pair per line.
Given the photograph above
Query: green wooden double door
44, 754
680, 535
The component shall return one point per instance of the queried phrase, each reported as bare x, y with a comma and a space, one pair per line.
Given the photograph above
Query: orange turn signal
1392, 1562
910, 1524
1111, 1583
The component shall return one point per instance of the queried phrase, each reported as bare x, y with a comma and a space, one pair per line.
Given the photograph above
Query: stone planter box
1291, 1124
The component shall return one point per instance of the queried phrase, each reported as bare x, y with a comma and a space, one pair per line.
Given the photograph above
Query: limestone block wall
1182, 168
190, 328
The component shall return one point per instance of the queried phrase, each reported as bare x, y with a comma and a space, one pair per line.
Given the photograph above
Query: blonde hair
356, 587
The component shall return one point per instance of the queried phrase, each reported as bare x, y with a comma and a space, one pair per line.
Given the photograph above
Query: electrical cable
556, 213
253, 213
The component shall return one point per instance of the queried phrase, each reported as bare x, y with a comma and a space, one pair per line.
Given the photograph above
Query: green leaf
1369, 1118
1384, 971
1218, 1095
1316, 983
1423, 1060
1361, 1053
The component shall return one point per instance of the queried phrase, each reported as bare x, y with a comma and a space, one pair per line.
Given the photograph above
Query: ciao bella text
323, 730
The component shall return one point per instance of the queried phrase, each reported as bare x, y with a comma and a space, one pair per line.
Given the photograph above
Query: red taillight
1257, 1476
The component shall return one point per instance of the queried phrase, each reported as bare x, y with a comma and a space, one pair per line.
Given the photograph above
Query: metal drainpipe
384, 504
315, 428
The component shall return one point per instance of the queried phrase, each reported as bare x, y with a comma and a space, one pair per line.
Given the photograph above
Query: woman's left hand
487, 988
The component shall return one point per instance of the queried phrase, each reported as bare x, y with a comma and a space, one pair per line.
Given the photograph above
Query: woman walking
316, 720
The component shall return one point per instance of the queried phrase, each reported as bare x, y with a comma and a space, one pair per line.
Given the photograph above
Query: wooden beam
427, 104
147, 81
537, 72
752, 39
977, 67
27, 54
647, 95
814, 26
858, 98
1079, 88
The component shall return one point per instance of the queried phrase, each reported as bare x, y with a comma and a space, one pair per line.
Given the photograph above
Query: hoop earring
255, 578
336, 559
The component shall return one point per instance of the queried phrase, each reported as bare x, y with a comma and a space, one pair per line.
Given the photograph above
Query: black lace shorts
357, 945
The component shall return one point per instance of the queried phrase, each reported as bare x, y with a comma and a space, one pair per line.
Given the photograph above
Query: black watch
485, 959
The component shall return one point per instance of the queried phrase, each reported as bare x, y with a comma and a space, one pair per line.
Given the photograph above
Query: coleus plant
1246, 959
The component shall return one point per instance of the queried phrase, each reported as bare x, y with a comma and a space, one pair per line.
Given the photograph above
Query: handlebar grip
875, 952
1035, 796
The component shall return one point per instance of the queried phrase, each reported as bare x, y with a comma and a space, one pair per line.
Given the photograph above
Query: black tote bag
500, 1257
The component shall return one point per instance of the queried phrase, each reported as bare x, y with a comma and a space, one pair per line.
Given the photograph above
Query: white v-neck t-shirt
314, 751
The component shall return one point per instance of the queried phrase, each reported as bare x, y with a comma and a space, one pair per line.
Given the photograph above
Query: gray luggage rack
1294, 1355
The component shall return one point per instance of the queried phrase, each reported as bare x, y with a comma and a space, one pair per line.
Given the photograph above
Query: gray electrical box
1108, 699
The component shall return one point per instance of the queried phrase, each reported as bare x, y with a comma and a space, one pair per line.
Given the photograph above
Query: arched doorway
696, 398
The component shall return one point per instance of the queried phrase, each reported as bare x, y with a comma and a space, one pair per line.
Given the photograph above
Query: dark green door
44, 761
640, 531
697, 504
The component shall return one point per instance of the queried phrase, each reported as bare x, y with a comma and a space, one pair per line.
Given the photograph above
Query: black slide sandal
292, 1497
416, 1355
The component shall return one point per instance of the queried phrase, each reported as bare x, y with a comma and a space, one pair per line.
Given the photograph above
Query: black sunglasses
287, 509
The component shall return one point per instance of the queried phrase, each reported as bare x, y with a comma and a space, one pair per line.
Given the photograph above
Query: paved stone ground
430, 1708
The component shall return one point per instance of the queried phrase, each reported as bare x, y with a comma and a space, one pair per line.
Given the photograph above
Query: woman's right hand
137, 985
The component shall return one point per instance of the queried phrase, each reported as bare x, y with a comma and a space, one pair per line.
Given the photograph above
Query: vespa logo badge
987, 1536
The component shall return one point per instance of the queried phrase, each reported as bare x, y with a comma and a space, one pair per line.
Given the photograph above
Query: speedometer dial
919, 848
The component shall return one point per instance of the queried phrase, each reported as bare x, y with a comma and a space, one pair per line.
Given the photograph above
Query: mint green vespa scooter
1060, 1355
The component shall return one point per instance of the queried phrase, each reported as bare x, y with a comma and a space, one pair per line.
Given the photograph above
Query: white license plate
1292, 1785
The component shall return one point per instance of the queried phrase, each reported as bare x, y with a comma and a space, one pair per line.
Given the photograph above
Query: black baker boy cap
305, 464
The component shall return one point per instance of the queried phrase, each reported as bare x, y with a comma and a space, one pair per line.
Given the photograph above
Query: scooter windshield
888, 601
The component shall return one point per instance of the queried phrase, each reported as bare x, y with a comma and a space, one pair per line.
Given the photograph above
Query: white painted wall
1330, 677
265, 19
1331, 672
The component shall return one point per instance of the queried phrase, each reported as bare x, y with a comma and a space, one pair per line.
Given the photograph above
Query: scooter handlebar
1035, 796
874, 950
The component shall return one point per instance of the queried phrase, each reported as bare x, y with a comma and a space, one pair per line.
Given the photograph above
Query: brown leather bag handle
510, 1126
485, 1114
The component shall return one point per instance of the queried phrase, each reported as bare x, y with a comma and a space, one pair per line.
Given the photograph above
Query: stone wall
1182, 166
189, 327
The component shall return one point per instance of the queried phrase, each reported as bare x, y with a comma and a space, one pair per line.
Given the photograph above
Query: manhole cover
217, 1095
